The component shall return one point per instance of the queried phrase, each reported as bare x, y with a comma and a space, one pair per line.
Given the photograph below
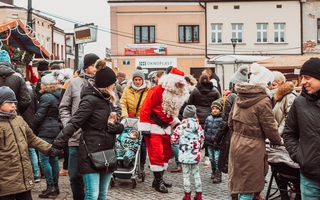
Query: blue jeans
50, 166
75, 179
175, 150
34, 161
245, 196
213, 157
310, 188
96, 185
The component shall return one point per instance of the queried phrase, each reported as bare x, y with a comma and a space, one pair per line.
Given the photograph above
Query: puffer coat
92, 117
283, 97
16, 173
252, 121
210, 128
202, 97
130, 98
46, 124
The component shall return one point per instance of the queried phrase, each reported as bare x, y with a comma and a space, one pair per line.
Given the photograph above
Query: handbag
102, 160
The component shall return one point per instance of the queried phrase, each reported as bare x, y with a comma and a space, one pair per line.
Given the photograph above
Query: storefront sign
145, 49
156, 62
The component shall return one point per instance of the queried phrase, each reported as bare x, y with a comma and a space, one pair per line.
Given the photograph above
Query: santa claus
158, 116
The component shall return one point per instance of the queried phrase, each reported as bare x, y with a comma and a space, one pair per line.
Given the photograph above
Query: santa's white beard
173, 100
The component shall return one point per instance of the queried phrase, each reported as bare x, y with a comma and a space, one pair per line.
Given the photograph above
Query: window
237, 32
216, 33
144, 34
189, 34
236, 7
318, 29
262, 33
279, 32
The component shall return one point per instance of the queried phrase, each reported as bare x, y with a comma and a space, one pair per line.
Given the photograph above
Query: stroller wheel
134, 183
112, 182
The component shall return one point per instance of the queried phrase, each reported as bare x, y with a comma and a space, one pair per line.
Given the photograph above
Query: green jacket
16, 175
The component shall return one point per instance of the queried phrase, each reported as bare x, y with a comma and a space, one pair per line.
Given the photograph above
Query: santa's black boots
159, 185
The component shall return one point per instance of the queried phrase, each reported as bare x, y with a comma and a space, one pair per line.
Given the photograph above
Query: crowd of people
261, 121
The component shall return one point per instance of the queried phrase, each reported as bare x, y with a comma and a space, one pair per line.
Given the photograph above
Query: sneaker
206, 161
36, 179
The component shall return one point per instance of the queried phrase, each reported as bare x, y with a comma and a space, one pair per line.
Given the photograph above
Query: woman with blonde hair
100, 126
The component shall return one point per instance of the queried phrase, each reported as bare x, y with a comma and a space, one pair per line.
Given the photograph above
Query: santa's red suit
158, 145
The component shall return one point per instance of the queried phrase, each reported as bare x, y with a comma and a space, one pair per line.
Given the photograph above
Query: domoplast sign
145, 49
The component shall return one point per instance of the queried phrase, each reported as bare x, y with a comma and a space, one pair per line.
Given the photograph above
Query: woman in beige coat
252, 121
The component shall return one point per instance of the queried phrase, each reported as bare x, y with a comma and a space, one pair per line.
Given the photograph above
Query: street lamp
234, 43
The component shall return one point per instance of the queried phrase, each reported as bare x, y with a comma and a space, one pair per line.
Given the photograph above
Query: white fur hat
260, 75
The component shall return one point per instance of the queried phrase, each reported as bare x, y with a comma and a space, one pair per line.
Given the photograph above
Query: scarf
139, 88
5, 114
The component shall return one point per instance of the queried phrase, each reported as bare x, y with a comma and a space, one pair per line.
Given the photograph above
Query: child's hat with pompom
260, 75
104, 76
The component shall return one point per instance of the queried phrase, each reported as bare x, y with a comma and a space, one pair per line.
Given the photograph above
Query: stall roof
232, 59
287, 62
19, 37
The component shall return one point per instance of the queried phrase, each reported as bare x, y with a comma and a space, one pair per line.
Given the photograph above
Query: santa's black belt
158, 121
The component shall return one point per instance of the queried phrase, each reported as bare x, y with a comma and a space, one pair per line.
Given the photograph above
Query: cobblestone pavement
123, 187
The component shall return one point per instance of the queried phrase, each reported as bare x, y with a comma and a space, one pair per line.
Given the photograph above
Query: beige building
156, 35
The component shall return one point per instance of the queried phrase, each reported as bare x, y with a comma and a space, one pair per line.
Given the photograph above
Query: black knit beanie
311, 67
43, 66
6, 95
104, 76
89, 59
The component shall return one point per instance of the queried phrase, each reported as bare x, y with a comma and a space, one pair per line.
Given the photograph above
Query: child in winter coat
210, 128
16, 175
127, 147
189, 135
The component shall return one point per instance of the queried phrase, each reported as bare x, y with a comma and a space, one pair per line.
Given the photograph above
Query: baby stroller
134, 171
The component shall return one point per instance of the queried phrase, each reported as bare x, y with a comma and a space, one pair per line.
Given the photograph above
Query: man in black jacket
10, 78
302, 130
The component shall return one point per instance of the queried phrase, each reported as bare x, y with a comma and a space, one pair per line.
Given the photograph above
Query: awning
233, 59
287, 62
19, 37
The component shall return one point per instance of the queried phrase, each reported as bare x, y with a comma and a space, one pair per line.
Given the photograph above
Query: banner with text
145, 49
156, 62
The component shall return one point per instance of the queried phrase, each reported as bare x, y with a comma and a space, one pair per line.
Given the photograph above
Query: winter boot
217, 178
159, 186
198, 196
56, 186
234, 198
187, 196
51, 191
213, 174
169, 185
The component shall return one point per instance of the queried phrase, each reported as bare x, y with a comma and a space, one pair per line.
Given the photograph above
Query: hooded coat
202, 97
16, 175
17, 84
252, 121
92, 117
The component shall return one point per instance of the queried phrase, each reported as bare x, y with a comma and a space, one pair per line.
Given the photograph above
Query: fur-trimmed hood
148, 84
283, 90
249, 94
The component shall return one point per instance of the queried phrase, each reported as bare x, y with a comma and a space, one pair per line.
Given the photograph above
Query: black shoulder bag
138, 105
102, 160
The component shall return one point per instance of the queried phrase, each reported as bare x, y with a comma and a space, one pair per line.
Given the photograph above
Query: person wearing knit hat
4, 56
122, 81
210, 128
260, 75
49, 79
99, 125
189, 137
43, 65
302, 129
164, 101
189, 112
89, 60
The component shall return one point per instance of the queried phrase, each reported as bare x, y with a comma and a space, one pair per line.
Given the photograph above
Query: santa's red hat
177, 74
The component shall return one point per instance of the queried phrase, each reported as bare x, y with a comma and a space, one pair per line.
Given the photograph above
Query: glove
146, 133
53, 152
216, 146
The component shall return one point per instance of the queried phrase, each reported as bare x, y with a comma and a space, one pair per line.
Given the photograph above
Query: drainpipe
205, 33
301, 26
29, 19
52, 43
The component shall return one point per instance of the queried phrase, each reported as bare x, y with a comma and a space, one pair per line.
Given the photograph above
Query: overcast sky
78, 11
